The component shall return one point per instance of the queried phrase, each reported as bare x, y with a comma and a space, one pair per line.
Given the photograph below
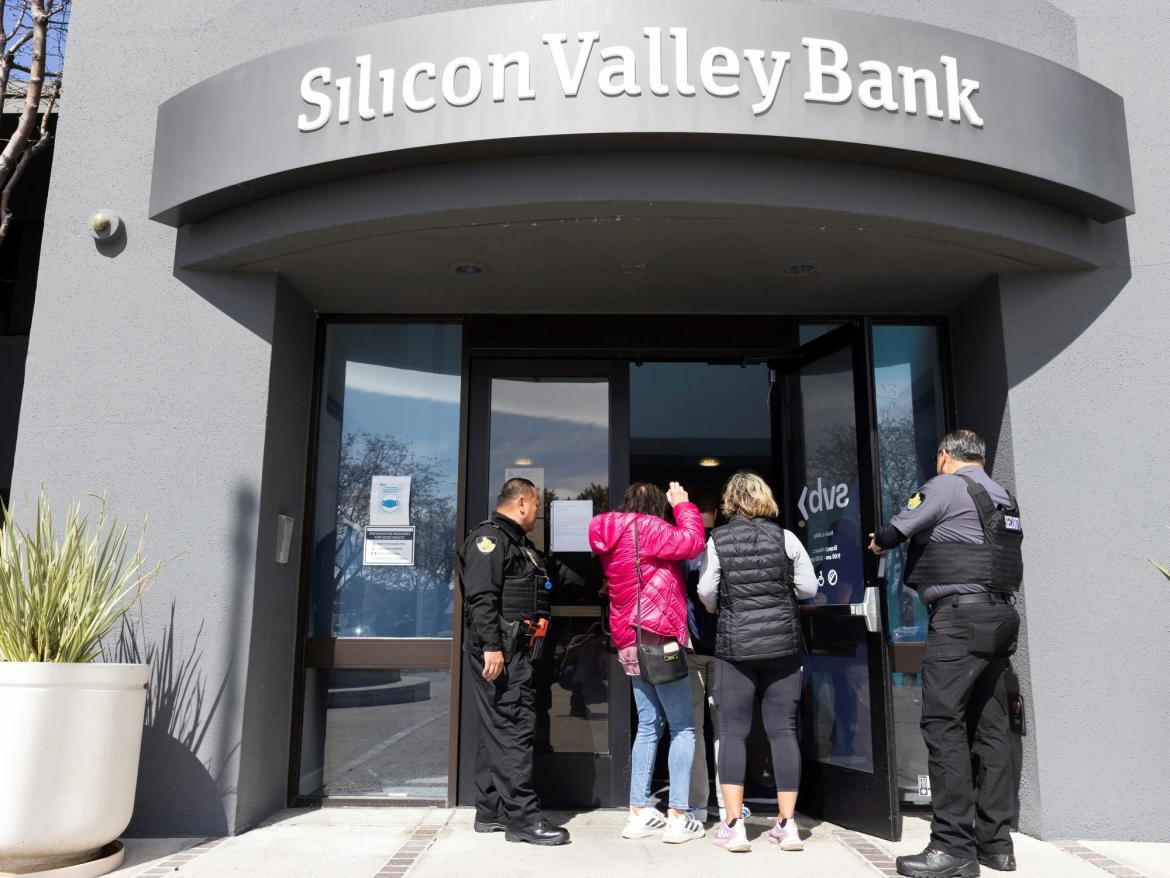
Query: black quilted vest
758, 614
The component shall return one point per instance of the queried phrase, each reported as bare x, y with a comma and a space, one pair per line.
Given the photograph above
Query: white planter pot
70, 736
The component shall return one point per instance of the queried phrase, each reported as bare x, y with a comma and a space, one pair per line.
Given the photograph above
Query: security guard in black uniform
964, 559
506, 584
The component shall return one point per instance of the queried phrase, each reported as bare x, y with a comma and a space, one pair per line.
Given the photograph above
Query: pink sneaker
732, 838
786, 834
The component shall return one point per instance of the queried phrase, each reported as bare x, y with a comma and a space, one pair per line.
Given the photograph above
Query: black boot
999, 862
540, 832
932, 863
489, 825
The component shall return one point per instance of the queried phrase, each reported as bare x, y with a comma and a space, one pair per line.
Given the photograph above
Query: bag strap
638, 568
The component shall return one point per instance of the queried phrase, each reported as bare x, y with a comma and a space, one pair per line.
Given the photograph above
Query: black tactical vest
997, 562
758, 614
524, 595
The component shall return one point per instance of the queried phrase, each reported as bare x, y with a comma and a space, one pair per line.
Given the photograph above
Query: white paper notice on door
570, 525
390, 501
388, 547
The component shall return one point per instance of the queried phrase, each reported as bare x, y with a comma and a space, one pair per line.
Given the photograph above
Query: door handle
869, 608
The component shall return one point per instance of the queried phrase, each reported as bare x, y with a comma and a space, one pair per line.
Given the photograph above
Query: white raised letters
474, 82
364, 109
500, 65
910, 80
626, 68
959, 102
410, 84
727, 66
818, 70
769, 85
720, 73
318, 99
571, 83
877, 94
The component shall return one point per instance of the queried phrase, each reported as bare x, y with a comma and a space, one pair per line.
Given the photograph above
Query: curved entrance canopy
638, 233
565, 77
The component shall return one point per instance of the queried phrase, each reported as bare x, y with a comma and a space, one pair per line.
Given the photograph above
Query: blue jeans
671, 704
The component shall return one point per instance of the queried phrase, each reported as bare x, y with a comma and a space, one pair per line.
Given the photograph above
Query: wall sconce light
104, 225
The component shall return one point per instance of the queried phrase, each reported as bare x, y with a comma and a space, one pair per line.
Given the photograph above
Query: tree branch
32, 98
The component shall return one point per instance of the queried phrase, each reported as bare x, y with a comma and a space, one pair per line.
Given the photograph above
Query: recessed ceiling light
523, 461
468, 267
709, 461
800, 269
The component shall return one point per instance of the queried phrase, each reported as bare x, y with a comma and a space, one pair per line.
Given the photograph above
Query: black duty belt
987, 597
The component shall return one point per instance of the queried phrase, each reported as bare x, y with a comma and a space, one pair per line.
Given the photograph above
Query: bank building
374, 264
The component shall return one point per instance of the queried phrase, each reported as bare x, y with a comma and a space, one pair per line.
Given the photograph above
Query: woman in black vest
752, 574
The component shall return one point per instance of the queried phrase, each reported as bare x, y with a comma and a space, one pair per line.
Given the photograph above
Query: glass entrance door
822, 415
551, 422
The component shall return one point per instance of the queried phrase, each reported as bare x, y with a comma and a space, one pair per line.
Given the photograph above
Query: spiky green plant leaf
59, 596
1165, 570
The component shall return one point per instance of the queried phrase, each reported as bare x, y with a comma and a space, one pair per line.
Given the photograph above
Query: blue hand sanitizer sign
390, 501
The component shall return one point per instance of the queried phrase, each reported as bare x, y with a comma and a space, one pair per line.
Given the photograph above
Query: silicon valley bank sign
661, 66
537, 78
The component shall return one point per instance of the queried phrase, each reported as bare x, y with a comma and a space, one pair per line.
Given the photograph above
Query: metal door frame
481, 371
867, 801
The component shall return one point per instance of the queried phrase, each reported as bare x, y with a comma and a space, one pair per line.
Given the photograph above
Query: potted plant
71, 727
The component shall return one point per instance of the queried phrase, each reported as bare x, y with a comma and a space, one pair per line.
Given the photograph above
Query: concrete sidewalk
429, 843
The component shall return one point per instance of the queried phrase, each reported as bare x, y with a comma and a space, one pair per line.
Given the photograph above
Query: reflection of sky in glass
390, 407
679, 400
566, 433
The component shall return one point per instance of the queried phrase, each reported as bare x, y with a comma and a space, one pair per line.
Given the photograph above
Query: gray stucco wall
1090, 407
183, 396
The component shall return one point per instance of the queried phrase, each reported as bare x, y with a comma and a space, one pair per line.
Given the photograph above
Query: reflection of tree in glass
834, 457
900, 475
599, 494
394, 601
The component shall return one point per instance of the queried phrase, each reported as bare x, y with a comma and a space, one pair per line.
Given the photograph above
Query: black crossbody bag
656, 664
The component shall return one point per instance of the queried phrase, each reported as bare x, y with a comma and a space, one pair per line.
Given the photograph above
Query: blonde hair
748, 494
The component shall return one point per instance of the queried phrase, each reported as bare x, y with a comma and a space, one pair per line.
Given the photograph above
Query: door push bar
869, 609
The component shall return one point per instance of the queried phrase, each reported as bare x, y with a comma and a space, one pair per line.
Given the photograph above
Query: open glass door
822, 436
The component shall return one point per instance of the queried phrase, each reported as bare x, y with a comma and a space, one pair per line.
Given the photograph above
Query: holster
511, 637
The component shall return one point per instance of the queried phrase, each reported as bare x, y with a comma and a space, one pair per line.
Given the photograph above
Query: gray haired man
964, 559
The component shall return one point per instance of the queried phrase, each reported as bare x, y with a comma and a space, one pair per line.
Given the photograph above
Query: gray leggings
777, 683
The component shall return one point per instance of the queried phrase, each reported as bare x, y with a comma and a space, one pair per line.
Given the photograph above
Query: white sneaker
682, 829
786, 834
733, 838
649, 821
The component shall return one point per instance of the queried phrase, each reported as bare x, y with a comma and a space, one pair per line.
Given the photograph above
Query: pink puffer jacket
661, 547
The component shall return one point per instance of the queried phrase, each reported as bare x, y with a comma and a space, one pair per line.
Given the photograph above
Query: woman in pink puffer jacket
662, 547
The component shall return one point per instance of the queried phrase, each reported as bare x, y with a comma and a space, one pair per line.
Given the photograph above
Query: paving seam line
1101, 861
411, 850
182, 858
876, 857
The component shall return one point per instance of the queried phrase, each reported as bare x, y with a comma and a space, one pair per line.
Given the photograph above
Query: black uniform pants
965, 724
503, 759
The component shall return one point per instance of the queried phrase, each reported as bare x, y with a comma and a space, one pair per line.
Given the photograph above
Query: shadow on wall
188, 774
248, 299
179, 712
